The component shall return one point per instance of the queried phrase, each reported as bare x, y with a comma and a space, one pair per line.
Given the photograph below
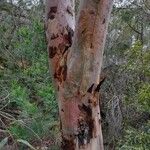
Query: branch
134, 29
11, 8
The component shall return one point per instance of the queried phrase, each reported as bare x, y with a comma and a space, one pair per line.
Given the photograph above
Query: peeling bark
75, 57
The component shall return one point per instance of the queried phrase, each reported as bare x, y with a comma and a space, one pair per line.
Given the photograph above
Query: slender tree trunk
75, 62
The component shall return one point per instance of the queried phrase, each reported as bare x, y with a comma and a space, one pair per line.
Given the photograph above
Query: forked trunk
75, 57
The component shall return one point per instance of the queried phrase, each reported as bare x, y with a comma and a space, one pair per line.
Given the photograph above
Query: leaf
26, 143
3, 142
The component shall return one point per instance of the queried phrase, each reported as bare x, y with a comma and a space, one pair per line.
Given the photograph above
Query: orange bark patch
60, 46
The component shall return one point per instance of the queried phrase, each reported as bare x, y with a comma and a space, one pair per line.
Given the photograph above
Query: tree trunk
75, 62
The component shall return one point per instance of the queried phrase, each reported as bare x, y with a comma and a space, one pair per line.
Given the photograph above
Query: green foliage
27, 79
31, 40
127, 15
137, 97
143, 97
20, 98
34, 95
136, 139
26, 143
138, 65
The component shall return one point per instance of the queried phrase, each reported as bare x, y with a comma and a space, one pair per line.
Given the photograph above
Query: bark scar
85, 125
69, 10
52, 12
52, 51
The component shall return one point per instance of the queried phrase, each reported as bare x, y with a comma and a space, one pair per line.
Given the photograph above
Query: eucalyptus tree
75, 50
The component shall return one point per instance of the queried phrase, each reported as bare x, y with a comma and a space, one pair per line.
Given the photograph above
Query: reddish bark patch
58, 77
52, 12
61, 73
52, 51
68, 144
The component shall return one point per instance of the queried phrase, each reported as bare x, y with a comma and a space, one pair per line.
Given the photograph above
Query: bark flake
90, 88
99, 85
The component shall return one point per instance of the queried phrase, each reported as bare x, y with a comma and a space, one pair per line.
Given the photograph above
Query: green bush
136, 139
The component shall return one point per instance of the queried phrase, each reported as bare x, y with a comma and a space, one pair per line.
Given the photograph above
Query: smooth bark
75, 62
